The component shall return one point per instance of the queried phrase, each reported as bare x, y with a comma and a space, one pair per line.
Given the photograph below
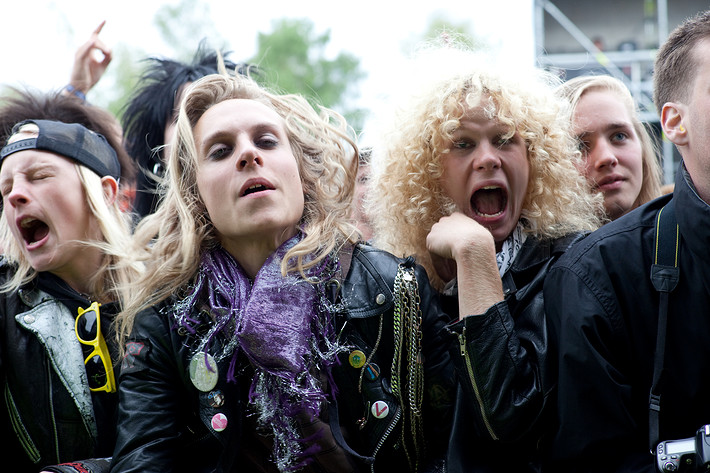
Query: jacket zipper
472, 379
22, 434
51, 413
386, 434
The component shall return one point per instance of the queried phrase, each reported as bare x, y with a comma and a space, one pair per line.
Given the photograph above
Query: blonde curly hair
406, 196
574, 89
172, 240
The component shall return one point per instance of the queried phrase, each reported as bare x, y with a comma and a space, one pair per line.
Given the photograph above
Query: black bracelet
73, 90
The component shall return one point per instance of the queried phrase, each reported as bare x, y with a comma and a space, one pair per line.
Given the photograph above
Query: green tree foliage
293, 59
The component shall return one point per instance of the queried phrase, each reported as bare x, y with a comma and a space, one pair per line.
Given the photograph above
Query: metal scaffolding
633, 67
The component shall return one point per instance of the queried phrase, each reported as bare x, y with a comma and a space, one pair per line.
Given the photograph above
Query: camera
685, 455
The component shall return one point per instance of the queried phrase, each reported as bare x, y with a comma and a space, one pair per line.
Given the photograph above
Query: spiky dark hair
151, 107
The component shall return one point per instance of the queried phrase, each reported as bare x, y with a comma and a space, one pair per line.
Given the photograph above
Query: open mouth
489, 202
255, 188
33, 230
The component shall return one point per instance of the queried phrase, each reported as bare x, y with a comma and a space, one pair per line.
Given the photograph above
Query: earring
682, 129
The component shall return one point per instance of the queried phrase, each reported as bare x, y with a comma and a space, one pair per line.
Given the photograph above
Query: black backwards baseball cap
71, 140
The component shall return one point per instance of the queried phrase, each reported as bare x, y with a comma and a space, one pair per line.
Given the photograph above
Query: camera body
685, 455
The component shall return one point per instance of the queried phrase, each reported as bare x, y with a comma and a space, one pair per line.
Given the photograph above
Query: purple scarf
284, 325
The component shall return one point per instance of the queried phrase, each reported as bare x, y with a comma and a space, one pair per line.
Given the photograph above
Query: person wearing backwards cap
61, 280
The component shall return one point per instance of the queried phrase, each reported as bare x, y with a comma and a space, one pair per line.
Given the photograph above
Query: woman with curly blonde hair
474, 175
620, 158
263, 336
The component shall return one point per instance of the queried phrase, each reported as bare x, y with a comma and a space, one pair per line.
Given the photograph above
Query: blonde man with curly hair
620, 158
263, 336
475, 175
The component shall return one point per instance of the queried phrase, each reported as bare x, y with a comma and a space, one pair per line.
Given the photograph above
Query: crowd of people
224, 280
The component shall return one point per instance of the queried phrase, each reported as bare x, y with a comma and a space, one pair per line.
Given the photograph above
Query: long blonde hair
406, 196
112, 280
573, 91
172, 240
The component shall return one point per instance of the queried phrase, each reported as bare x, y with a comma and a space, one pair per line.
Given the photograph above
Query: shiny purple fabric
283, 325
276, 320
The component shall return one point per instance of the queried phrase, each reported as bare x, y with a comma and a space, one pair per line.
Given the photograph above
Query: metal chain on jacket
408, 384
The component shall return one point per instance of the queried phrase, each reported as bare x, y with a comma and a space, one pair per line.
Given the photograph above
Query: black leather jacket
48, 415
164, 421
504, 401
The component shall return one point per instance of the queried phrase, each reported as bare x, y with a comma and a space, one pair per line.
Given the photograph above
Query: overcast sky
38, 39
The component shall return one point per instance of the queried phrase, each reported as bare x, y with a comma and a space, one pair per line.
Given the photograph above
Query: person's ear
110, 188
672, 123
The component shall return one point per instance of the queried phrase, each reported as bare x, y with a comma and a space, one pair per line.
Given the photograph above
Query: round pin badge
215, 398
380, 409
357, 359
219, 422
203, 371
372, 372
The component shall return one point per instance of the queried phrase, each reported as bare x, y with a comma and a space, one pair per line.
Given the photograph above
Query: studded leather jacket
167, 424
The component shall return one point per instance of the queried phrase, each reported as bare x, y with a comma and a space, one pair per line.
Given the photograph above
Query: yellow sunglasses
99, 368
